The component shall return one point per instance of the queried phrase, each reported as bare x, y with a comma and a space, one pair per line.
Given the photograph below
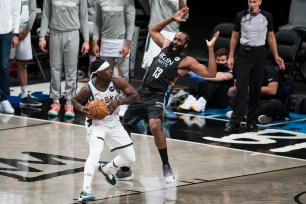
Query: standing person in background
9, 32
91, 5
252, 27
166, 68
114, 26
23, 52
160, 10
109, 130
65, 20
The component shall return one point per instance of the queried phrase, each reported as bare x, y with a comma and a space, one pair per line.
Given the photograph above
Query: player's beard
173, 53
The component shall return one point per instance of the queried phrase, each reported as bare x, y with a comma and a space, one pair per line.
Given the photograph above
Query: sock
56, 101
87, 182
24, 91
164, 156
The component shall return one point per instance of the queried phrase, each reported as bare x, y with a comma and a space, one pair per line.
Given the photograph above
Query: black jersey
162, 72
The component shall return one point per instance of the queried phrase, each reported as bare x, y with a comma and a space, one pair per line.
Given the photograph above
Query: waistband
249, 48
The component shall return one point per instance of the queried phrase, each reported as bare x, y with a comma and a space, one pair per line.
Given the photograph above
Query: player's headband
102, 67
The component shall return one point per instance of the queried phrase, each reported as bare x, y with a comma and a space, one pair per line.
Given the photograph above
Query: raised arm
189, 63
155, 29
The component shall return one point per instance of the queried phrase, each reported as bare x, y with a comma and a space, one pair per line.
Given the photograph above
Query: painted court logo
39, 166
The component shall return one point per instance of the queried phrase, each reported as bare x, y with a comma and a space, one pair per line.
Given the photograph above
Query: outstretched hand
211, 43
178, 16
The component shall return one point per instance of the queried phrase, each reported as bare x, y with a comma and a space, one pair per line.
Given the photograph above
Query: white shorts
112, 133
23, 51
152, 50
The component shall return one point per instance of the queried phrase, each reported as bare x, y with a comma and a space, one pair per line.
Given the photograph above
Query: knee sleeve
126, 157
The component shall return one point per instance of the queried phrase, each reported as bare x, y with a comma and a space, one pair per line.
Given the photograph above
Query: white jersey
110, 93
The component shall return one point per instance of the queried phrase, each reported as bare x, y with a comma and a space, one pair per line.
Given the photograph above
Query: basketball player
23, 52
65, 20
104, 86
165, 69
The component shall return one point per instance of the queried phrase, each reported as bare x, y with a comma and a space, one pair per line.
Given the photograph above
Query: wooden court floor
42, 162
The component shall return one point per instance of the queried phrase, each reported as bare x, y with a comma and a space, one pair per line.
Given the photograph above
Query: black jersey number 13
157, 72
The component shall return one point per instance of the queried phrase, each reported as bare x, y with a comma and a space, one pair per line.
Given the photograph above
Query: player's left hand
280, 63
211, 43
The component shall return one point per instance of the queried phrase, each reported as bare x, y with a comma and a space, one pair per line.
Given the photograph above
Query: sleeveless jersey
110, 93
162, 73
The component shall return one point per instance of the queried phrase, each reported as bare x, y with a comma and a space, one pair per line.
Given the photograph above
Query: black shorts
150, 105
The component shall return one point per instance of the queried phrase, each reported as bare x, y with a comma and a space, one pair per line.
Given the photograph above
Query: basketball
97, 109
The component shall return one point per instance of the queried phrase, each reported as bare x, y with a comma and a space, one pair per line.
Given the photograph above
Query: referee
252, 27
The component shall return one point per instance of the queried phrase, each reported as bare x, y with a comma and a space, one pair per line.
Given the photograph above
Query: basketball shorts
111, 132
23, 51
149, 106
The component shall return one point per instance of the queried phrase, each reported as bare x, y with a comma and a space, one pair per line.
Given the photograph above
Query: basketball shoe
108, 170
199, 105
69, 111
178, 97
6, 107
124, 175
86, 196
187, 103
55, 108
168, 174
29, 101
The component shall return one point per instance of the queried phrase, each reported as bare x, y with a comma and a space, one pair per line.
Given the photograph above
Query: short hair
187, 37
221, 52
95, 65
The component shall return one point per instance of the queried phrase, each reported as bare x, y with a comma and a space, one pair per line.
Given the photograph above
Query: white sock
24, 91
56, 101
87, 182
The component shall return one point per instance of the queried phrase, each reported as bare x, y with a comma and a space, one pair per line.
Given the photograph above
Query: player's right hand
42, 44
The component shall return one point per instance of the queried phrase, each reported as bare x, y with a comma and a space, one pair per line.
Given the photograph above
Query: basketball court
42, 162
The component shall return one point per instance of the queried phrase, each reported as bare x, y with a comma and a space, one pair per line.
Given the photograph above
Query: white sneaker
229, 114
199, 105
122, 110
6, 107
263, 119
179, 96
188, 102
168, 174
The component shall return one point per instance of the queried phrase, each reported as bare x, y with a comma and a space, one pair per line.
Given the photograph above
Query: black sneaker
85, 196
252, 127
232, 128
29, 101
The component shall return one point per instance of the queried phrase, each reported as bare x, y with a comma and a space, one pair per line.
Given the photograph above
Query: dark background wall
202, 19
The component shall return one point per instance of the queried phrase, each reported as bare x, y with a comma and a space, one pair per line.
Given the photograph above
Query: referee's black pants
250, 70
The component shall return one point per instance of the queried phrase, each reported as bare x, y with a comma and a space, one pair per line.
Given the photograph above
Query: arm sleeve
46, 15
98, 22
83, 15
16, 16
33, 12
130, 13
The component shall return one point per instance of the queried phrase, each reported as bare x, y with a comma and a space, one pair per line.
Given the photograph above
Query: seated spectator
211, 90
272, 99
